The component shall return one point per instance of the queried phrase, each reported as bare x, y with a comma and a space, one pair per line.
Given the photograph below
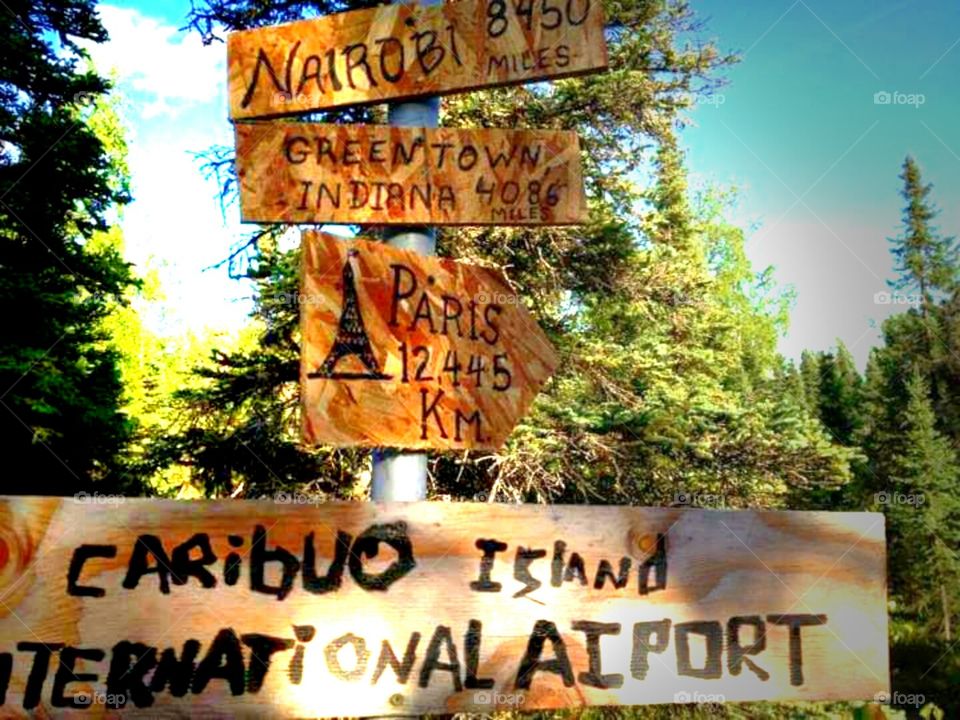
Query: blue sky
798, 130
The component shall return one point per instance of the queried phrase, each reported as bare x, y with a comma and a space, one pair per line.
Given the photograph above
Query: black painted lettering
350, 156
594, 676
471, 420
312, 70
429, 52
6, 669
66, 673
447, 199
80, 556
296, 157
361, 656
264, 62
400, 669
472, 642
360, 61
532, 663
262, 650
712, 633
490, 313
427, 410
795, 622
304, 634
176, 673
605, 570
737, 652
399, 271
223, 661
452, 309
490, 548
575, 569
38, 670
521, 570
556, 566
643, 645
656, 562
367, 545
185, 567
395, 49
260, 556
148, 546
441, 636
317, 584
129, 665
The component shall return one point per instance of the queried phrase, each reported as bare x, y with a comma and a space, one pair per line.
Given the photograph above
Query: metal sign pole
397, 475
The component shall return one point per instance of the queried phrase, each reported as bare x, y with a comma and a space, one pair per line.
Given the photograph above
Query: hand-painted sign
265, 609
406, 50
377, 174
409, 351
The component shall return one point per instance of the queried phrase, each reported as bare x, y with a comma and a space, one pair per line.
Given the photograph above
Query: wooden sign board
407, 50
234, 608
409, 351
376, 174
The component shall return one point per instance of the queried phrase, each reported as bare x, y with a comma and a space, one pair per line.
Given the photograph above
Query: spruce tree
926, 261
839, 394
923, 510
60, 388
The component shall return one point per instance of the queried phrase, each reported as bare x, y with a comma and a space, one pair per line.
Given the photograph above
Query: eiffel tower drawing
351, 337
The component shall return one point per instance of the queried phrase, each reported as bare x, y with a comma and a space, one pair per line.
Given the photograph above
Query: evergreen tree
926, 261
810, 374
839, 395
60, 385
923, 512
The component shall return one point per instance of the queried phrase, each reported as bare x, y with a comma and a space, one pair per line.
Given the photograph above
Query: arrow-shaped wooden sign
407, 50
409, 351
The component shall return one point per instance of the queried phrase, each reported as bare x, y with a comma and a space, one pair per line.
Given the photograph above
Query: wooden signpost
408, 50
377, 174
404, 350
231, 608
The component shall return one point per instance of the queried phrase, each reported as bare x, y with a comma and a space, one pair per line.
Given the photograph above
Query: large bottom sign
261, 608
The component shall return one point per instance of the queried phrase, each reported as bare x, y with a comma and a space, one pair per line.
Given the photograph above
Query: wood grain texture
375, 174
328, 645
406, 50
408, 351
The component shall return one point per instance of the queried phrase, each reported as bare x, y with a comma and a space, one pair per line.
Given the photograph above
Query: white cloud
160, 68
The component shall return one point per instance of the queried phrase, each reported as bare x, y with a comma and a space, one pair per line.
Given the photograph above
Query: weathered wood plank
79, 576
404, 350
407, 50
375, 174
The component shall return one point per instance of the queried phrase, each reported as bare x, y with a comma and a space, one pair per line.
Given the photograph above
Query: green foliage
59, 178
926, 261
